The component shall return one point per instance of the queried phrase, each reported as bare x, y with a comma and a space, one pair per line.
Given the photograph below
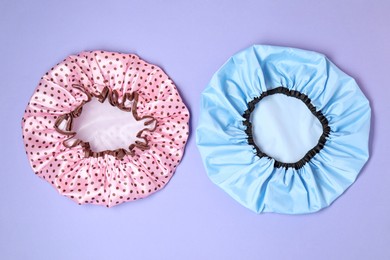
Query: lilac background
191, 218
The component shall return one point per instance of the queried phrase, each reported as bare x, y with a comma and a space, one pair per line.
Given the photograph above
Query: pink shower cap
107, 177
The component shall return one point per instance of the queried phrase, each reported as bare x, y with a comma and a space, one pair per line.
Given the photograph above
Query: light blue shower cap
237, 163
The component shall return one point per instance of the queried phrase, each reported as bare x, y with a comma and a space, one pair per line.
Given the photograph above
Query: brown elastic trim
305, 99
113, 98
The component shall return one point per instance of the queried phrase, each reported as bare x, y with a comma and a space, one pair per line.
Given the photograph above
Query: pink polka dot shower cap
107, 177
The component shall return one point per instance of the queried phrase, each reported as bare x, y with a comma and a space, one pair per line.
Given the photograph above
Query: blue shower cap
273, 176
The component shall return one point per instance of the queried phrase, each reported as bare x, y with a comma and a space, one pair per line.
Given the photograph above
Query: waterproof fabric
259, 182
107, 177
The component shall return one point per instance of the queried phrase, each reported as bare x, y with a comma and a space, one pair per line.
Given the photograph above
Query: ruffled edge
306, 100
313, 201
103, 187
113, 99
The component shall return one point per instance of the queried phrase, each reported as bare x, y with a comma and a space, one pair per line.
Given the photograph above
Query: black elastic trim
305, 99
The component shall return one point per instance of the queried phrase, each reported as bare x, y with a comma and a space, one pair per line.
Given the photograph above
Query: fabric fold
105, 177
261, 183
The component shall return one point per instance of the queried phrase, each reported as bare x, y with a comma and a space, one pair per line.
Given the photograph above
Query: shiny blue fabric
232, 163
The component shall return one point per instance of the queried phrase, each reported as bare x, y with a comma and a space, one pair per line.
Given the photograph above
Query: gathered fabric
107, 177
255, 179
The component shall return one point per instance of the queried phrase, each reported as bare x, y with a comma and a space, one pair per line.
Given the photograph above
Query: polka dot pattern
105, 179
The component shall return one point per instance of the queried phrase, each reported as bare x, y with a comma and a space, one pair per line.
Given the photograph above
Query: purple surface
191, 218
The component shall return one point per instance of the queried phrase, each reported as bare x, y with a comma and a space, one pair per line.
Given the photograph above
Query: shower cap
107, 177
283, 130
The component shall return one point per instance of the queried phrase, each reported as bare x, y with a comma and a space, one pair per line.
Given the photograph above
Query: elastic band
305, 99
